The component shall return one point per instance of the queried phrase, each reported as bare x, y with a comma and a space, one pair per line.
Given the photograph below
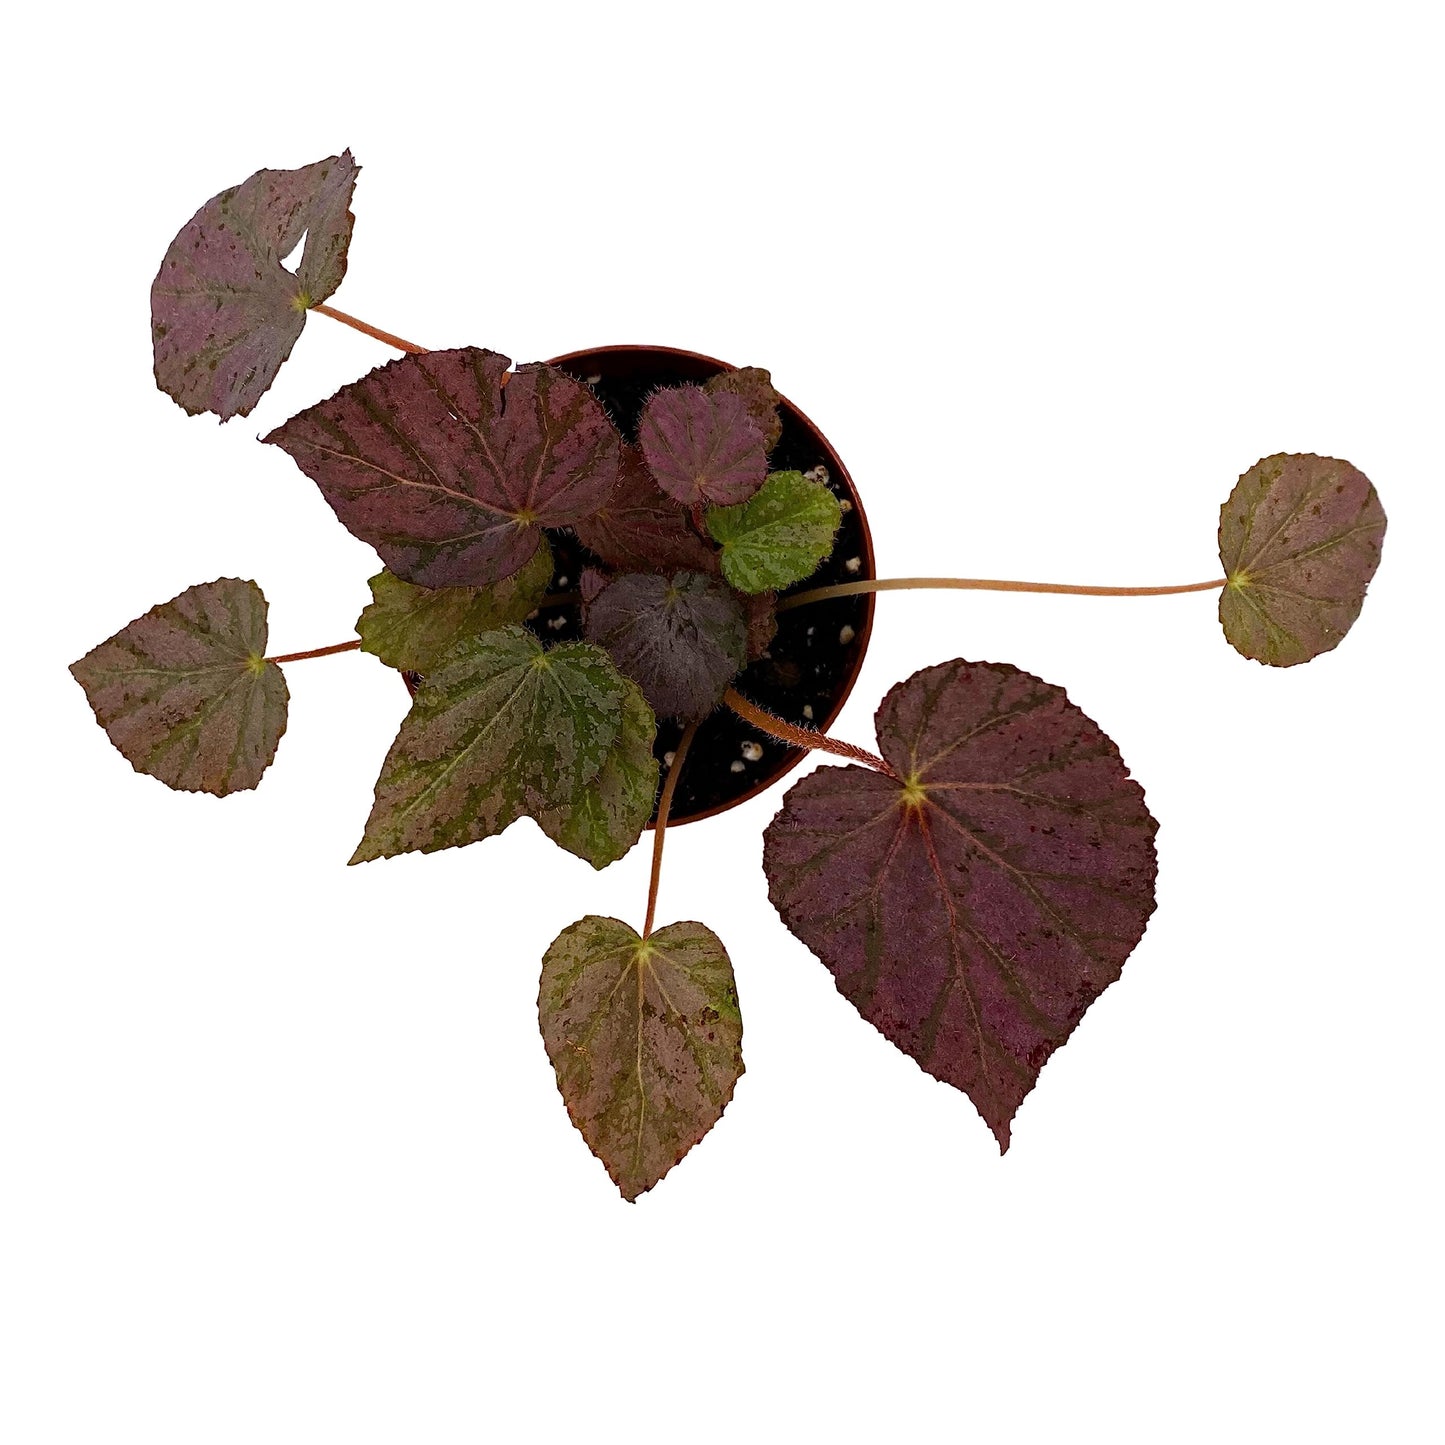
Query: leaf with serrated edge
225, 312
755, 386
702, 446
497, 729
642, 529
1300, 538
646, 1039
777, 537
448, 473
185, 692
410, 627
682, 639
608, 817
974, 910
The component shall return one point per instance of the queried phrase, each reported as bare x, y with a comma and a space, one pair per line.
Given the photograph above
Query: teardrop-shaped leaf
448, 473
755, 386
609, 814
1300, 538
681, 639
641, 529
186, 693
702, 446
410, 627
777, 537
498, 728
646, 1039
225, 312
974, 907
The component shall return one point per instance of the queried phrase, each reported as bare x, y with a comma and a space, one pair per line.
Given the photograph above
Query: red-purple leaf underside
450, 474
185, 692
702, 446
225, 312
642, 529
1300, 539
974, 910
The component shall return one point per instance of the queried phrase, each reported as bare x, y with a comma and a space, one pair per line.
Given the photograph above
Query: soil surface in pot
809, 667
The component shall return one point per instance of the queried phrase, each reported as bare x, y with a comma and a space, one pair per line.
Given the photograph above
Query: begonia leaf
1300, 538
641, 529
779, 535
608, 816
702, 446
410, 627
646, 1038
225, 312
185, 692
761, 611
498, 728
973, 907
450, 474
681, 639
755, 386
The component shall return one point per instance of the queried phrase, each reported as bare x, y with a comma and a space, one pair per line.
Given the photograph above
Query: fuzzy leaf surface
609, 814
497, 729
681, 639
779, 535
702, 446
225, 312
646, 1039
641, 529
972, 912
1300, 538
448, 473
185, 691
410, 627
755, 386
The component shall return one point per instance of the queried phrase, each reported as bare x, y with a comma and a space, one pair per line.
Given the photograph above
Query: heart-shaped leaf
641, 529
646, 1039
186, 693
974, 907
702, 446
498, 728
225, 312
410, 627
755, 386
778, 536
450, 475
609, 814
681, 639
1300, 538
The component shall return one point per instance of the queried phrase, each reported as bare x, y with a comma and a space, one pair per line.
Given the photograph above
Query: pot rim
837, 469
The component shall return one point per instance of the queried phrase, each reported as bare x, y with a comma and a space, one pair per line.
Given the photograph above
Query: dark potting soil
807, 665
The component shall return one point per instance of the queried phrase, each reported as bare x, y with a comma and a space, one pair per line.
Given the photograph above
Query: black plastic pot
813, 661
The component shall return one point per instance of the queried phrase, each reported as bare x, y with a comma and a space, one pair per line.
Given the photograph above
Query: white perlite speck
752, 751
737, 765
853, 563
846, 635
808, 711
667, 759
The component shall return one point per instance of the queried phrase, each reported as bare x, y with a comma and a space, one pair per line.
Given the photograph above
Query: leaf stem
983, 584
801, 737
318, 651
373, 331
659, 829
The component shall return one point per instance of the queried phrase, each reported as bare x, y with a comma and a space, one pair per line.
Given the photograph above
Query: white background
282, 1155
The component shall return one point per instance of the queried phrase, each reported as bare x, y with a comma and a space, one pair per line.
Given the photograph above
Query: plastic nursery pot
810, 666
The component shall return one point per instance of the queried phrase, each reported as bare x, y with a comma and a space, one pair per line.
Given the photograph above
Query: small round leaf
702, 446
777, 537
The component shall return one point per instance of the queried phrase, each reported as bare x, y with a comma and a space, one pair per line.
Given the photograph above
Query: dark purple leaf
702, 446
186, 693
450, 473
641, 529
682, 639
225, 312
755, 386
761, 610
1300, 538
973, 910
646, 1038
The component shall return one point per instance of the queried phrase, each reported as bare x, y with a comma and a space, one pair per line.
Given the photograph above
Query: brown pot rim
837, 469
